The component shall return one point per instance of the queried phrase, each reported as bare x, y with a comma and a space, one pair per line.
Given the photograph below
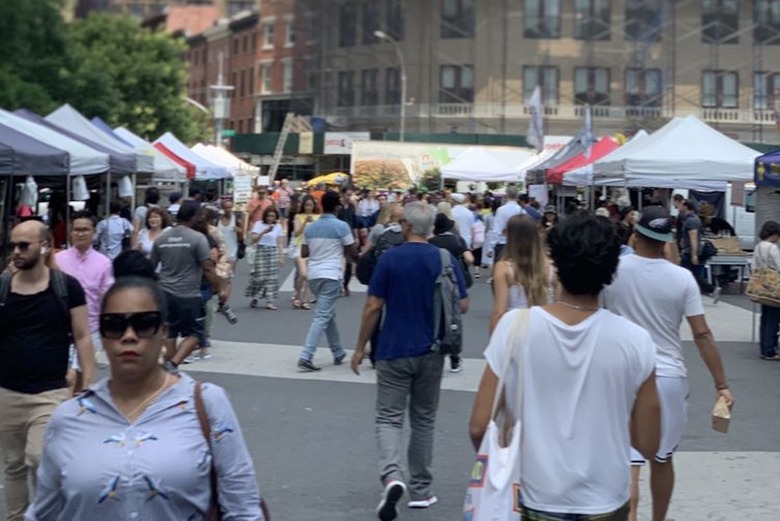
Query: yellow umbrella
335, 178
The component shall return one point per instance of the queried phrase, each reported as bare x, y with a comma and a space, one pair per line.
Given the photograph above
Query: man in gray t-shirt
184, 257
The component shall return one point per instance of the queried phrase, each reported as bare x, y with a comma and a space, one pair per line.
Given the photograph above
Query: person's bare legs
633, 502
185, 349
661, 486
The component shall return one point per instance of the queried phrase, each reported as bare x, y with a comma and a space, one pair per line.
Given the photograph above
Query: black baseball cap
655, 223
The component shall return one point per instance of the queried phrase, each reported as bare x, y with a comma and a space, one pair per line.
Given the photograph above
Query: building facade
145, 8
471, 65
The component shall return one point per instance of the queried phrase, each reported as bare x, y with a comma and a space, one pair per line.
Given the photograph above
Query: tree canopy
103, 65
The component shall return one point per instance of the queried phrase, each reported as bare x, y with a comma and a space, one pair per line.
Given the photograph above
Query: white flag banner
588, 139
535, 134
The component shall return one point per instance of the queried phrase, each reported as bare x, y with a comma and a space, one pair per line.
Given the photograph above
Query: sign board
737, 193
306, 143
540, 193
228, 133
263, 180
341, 142
242, 188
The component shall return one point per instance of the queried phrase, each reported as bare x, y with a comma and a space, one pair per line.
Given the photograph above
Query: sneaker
339, 359
387, 509
307, 366
716, 294
188, 360
423, 503
456, 365
206, 356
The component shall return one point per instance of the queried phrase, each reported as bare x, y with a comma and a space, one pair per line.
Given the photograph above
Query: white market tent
583, 176
84, 160
204, 169
683, 152
165, 169
479, 164
69, 118
222, 157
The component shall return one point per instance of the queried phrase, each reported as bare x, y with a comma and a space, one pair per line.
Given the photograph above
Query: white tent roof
233, 160
204, 169
479, 164
165, 169
583, 176
69, 118
685, 149
84, 160
228, 160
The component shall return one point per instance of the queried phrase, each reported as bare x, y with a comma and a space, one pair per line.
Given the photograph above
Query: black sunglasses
145, 324
22, 245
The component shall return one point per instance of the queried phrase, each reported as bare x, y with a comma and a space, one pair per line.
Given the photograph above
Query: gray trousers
416, 382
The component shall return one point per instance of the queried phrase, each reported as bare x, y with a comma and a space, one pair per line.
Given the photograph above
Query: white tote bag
493, 493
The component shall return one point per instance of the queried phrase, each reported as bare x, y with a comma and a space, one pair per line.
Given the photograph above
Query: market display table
741, 261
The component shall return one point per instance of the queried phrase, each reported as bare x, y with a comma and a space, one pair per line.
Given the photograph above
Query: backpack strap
5, 286
60, 286
437, 296
205, 427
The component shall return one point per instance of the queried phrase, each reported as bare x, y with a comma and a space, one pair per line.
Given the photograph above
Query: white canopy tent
683, 152
164, 168
584, 176
84, 160
479, 164
204, 169
69, 118
240, 165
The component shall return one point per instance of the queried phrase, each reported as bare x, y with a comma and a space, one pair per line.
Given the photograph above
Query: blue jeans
698, 273
770, 321
327, 292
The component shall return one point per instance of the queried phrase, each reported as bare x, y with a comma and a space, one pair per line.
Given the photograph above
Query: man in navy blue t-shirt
408, 368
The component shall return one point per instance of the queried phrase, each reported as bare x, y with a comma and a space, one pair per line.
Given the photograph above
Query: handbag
764, 286
213, 513
707, 250
493, 493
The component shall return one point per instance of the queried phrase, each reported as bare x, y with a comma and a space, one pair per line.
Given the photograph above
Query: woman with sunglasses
131, 446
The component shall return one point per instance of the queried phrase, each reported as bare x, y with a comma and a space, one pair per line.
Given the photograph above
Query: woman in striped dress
268, 239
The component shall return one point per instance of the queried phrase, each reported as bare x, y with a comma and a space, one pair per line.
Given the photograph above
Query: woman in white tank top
522, 276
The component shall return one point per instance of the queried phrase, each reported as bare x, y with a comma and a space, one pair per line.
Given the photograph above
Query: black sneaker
455, 365
307, 366
387, 509
228, 313
339, 359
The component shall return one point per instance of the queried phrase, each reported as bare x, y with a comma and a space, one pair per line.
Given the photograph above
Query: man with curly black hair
588, 383
656, 295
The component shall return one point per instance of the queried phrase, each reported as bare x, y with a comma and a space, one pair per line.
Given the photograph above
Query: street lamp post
386, 37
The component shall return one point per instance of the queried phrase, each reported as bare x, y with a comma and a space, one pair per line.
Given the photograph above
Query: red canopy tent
176, 159
599, 149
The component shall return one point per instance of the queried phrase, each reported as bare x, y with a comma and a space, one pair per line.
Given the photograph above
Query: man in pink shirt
91, 268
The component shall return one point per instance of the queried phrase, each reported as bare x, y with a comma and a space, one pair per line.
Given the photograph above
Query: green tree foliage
129, 76
32, 45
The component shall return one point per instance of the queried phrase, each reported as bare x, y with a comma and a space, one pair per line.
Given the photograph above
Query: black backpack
367, 262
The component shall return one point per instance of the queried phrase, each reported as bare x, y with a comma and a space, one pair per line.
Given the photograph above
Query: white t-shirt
270, 238
580, 387
657, 295
465, 220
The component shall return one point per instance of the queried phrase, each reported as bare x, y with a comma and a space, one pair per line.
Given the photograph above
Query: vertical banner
535, 134
306, 143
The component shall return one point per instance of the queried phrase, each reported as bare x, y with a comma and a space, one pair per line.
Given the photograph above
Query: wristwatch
721, 387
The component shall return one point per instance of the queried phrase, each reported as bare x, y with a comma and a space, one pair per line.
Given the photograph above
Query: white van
742, 218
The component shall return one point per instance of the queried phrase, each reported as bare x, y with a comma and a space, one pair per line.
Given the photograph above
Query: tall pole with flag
588, 139
535, 134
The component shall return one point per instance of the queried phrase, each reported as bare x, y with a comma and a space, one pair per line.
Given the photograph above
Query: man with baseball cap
659, 308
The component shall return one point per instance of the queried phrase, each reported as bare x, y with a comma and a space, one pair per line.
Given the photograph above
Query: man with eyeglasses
91, 268
40, 310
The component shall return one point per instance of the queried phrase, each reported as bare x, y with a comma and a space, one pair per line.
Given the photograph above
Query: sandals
254, 303
306, 306
297, 304
271, 306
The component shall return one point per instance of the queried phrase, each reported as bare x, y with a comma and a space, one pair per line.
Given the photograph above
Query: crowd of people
611, 380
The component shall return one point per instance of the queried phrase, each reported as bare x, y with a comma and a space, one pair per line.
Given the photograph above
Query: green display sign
228, 133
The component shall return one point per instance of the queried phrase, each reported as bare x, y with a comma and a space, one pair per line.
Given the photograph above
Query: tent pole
108, 193
67, 210
133, 196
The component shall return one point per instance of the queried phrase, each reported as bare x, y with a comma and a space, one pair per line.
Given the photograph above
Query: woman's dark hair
769, 229
133, 263
151, 196
144, 283
157, 211
269, 210
585, 250
201, 223
305, 200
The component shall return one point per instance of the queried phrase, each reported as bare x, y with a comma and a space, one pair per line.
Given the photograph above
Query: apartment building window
245, 43
287, 76
235, 45
289, 33
591, 86
369, 87
235, 84
643, 20
592, 19
393, 86
542, 19
265, 70
347, 25
643, 87
766, 90
456, 84
720, 89
457, 18
395, 19
242, 85
251, 79
766, 20
346, 86
720, 21
547, 80
370, 22
311, 73
269, 31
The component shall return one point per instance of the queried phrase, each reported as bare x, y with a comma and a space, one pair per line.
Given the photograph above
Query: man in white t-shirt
656, 294
463, 217
588, 384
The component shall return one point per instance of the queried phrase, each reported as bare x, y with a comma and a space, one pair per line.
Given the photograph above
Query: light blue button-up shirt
97, 466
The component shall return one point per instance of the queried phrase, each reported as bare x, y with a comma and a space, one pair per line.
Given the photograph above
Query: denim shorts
185, 316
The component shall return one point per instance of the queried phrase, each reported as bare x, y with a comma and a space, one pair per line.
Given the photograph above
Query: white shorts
673, 394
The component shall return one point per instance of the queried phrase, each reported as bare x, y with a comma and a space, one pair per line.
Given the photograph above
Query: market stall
479, 164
